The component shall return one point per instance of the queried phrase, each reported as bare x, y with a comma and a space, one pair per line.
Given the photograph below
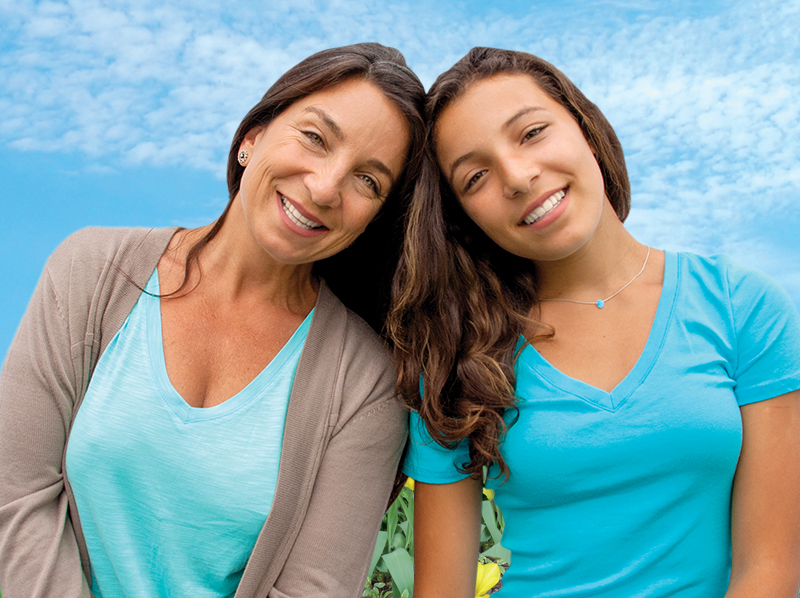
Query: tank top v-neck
171, 497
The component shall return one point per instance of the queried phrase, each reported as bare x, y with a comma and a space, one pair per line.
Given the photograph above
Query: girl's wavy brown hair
460, 302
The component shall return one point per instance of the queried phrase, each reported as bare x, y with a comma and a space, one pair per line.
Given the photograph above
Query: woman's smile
319, 173
297, 218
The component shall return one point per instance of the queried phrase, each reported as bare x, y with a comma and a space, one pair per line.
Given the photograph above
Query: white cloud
706, 106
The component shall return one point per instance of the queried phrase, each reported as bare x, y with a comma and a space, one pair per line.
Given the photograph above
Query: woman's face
521, 168
318, 174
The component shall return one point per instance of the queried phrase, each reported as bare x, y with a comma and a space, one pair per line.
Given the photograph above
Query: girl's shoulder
719, 279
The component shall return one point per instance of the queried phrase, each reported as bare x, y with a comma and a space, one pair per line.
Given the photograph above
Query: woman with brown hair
196, 412
637, 410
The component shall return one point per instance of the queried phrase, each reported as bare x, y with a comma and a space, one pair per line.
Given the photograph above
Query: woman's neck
606, 262
236, 268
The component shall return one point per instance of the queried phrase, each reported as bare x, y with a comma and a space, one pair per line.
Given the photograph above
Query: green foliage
392, 568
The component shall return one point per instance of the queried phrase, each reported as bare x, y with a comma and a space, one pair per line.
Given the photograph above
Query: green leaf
376, 554
485, 535
498, 552
398, 541
401, 568
392, 519
501, 522
491, 523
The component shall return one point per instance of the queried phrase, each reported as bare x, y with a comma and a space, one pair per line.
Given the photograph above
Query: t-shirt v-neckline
173, 399
611, 401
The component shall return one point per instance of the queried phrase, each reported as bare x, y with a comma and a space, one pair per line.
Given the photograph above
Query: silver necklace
600, 303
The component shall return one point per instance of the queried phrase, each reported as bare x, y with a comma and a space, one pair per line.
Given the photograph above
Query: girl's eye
315, 138
532, 133
475, 178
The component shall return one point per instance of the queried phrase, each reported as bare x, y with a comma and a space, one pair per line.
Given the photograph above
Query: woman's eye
314, 137
475, 178
371, 183
532, 133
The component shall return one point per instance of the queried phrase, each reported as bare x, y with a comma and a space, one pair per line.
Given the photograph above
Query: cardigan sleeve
333, 549
39, 556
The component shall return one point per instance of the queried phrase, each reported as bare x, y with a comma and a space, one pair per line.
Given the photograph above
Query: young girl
637, 409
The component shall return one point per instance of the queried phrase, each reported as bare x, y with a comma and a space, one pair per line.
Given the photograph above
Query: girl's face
318, 174
521, 168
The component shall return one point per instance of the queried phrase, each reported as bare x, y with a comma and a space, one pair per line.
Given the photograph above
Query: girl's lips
303, 231
542, 206
551, 215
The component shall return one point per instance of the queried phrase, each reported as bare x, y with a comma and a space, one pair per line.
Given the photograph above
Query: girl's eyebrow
520, 114
458, 163
506, 125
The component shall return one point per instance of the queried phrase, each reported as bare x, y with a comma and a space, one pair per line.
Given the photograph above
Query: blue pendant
600, 303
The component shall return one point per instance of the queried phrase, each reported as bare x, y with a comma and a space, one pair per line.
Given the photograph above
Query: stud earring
243, 157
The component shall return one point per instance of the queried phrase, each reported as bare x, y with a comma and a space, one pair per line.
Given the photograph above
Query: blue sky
120, 113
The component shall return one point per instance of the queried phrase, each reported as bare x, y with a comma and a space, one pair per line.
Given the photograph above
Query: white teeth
297, 217
546, 207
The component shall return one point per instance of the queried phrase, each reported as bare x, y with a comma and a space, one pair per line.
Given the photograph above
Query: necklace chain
600, 303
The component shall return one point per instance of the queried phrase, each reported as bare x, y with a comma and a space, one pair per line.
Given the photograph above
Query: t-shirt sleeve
767, 330
429, 462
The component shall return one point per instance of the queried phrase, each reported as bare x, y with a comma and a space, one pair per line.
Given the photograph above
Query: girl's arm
447, 523
765, 516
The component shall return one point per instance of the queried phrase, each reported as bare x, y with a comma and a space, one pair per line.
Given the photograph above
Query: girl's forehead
492, 106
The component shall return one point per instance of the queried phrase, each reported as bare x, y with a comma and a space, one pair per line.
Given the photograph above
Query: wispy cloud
704, 99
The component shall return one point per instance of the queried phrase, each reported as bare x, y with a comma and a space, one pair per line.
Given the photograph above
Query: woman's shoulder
362, 358
97, 245
102, 271
360, 341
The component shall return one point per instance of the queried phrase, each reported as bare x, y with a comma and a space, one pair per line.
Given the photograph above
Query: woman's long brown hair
460, 302
360, 276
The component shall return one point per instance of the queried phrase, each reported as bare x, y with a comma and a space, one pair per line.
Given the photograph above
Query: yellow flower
488, 576
410, 484
488, 494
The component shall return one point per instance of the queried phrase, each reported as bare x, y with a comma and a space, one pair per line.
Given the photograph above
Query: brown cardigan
342, 441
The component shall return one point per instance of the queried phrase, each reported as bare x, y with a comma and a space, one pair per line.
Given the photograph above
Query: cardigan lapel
309, 419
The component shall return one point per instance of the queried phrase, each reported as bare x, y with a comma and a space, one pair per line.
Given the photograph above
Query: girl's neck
599, 268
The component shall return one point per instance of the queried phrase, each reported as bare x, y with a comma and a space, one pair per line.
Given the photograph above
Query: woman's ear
247, 144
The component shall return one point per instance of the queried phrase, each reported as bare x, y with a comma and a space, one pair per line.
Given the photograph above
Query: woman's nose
325, 186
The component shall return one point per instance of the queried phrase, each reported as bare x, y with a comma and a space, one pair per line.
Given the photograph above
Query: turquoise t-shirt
627, 494
171, 497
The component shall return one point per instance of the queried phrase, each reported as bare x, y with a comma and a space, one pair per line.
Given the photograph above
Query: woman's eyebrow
337, 132
381, 167
335, 129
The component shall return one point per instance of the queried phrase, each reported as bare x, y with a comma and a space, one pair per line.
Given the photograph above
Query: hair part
460, 302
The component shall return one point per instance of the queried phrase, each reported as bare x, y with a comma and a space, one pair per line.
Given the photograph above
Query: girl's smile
523, 171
